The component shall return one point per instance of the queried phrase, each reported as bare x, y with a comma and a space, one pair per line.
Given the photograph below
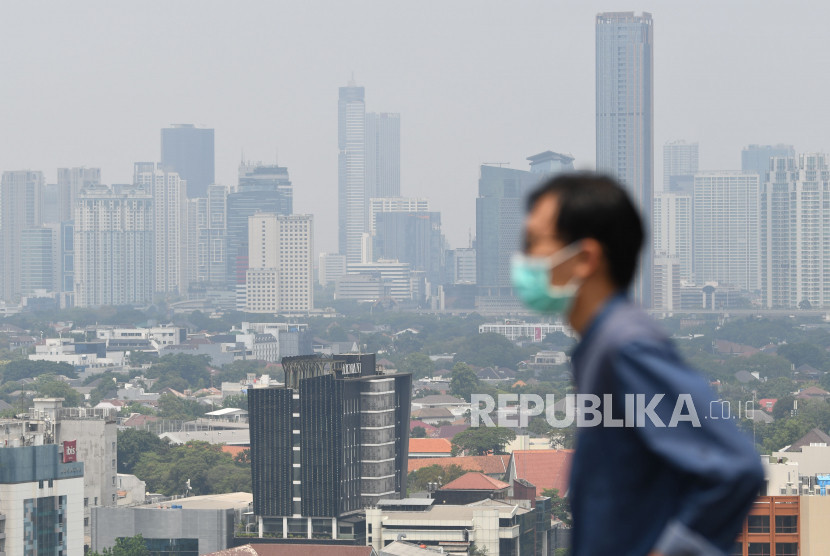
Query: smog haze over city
92, 83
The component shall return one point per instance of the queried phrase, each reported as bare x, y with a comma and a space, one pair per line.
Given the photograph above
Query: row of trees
167, 468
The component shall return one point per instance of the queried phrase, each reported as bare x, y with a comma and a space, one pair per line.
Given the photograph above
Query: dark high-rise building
188, 151
500, 212
625, 116
330, 442
262, 188
411, 237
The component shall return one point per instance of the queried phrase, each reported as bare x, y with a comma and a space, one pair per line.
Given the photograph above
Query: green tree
476, 550
49, 386
206, 466
125, 546
489, 350
174, 407
803, 353
464, 381
181, 371
482, 440
238, 370
238, 401
24, 368
419, 432
419, 364
559, 507
132, 444
419, 480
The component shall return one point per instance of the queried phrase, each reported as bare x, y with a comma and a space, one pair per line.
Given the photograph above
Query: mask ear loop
566, 253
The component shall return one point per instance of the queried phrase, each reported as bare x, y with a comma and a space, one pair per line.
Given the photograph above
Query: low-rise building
193, 525
520, 330
497, 526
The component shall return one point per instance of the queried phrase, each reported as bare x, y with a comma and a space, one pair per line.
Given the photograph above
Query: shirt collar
598, 319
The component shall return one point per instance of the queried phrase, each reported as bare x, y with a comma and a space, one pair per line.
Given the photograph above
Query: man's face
541, 239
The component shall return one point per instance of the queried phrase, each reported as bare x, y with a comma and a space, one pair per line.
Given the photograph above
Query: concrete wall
97, 448
814, 535
812, 460
213, 528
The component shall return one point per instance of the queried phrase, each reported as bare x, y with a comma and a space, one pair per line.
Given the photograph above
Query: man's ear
591, 259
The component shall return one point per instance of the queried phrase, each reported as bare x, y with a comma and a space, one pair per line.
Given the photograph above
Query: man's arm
723, 469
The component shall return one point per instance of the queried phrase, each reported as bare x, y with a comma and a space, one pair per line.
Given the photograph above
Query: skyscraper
414, 238
500, 209
351, 176
280, 275
681, 160
726, 228
37, 260
70, 183
624, 116
378, 205
207, 263
672, 228
756, 158
170, 230
383, 155
333, 440
20, 208
795, 232
261, 188
188, 151
113, 247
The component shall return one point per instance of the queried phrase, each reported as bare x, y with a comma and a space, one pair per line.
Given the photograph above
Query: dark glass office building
188, 150
261, 188
414, 238
330, 442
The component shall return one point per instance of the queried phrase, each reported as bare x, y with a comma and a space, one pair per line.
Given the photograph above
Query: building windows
757, 524
758, 549
786, 549
786, 524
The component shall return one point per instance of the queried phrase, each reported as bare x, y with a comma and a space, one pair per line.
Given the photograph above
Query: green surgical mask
531, 276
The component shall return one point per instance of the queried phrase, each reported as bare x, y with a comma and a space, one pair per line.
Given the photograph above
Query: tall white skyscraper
20, 208
383, 155
113, 247
795, 232
672, 228
280, 271
625, 116
726, 229
169, 213
681, 161
206, 260
351, 178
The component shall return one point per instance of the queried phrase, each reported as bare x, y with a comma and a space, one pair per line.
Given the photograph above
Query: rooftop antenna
351, 81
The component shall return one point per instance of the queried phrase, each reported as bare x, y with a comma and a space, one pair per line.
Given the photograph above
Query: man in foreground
653, 484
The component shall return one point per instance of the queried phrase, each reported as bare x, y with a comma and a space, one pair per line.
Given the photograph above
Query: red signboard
70, 451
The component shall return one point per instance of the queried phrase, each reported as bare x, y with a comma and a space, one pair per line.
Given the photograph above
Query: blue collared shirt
681, 488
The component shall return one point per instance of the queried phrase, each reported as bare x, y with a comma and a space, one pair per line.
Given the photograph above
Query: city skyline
294, 125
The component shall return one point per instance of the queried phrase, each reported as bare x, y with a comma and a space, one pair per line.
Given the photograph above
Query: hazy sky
92, 83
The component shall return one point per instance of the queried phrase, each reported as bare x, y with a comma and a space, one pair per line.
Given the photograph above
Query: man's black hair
596, 206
